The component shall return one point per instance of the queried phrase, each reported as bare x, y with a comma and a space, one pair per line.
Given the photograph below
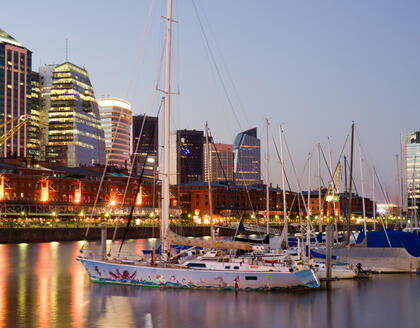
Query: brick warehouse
71, 190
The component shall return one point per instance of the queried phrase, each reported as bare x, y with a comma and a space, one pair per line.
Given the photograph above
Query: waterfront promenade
62, 231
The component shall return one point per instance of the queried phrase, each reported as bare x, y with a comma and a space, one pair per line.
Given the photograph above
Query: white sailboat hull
144, 275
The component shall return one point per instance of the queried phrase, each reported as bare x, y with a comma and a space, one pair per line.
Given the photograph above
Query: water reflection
42, 285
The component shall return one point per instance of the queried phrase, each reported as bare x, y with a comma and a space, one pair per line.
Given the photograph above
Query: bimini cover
410, 241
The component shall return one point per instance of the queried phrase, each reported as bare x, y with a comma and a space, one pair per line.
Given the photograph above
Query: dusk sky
314, 66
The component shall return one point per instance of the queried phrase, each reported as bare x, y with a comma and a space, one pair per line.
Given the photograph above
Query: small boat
338, 271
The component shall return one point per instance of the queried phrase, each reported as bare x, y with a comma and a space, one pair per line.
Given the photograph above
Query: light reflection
43, 276
23, 248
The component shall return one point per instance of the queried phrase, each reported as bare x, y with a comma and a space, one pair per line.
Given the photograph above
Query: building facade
15, 93
75, 134
145, 142
247, 160
46, 76
410, 167
116, 121
187, 149
222, 152
33, 126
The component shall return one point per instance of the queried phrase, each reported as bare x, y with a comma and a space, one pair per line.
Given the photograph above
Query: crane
334, 185
23, 119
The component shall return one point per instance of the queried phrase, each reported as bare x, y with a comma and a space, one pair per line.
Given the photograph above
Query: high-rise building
187, 150
146, 143
15, 92
33, 126
225, 154
46, 77
247, 160
75, 134
410, 167
116, 122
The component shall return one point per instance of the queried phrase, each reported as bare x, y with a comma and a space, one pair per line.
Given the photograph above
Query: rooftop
7, 38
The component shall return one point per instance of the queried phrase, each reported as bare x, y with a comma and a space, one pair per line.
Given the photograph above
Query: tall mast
209, 173
319, 189
285, 228
363, 191
332, 186
399, 189
166, 131
308, 213
267, 164
373, 198
350, 183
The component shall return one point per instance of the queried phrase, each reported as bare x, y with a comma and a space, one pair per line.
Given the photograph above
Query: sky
312, 66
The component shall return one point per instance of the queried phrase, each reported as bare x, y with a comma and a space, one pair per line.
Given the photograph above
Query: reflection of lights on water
54, 243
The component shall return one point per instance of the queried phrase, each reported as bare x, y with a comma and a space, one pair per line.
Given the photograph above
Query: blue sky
314, 66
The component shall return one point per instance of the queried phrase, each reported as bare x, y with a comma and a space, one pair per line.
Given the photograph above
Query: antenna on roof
67, 49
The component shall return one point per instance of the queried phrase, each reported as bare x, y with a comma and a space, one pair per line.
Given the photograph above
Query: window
227, 267
196, 265
251, 278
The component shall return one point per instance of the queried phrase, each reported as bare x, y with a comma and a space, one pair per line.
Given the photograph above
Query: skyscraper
33, 126
46, 77
226, 158
150, 135
116, 122
75, 134
410, 167
247, 162
189, 156
15, 92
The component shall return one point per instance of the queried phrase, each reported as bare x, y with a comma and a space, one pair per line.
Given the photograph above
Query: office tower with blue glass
247, 158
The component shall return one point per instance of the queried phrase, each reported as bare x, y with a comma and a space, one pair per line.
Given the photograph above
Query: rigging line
296, 176
282, 165
133, 160
227, 183
112, 142
140, 48
354, 182
107, 160
225, 66
130, 217
216, 66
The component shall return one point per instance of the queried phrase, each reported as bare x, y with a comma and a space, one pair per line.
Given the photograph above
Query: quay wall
35, 235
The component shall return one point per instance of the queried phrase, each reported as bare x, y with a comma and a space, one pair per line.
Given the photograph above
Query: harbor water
42, 285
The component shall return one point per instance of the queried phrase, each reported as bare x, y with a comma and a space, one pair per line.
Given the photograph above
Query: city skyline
361, 70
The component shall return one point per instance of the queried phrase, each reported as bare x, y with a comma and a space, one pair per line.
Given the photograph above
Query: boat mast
399, 189
319, 189
209, 177
373, 198
283, 171
363, 190
350, 183
166, 131
267, 166
308, 214
332, 187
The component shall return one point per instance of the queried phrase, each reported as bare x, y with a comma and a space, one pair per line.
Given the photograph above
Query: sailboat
382, 251
212, 270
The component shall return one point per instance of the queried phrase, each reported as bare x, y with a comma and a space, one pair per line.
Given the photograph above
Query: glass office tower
15, 92
145, 142
247, 160
116, 122
410, 165
75, 134
33, 127
225, 154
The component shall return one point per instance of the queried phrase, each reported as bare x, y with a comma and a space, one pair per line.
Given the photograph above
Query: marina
132, 209
60, 294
